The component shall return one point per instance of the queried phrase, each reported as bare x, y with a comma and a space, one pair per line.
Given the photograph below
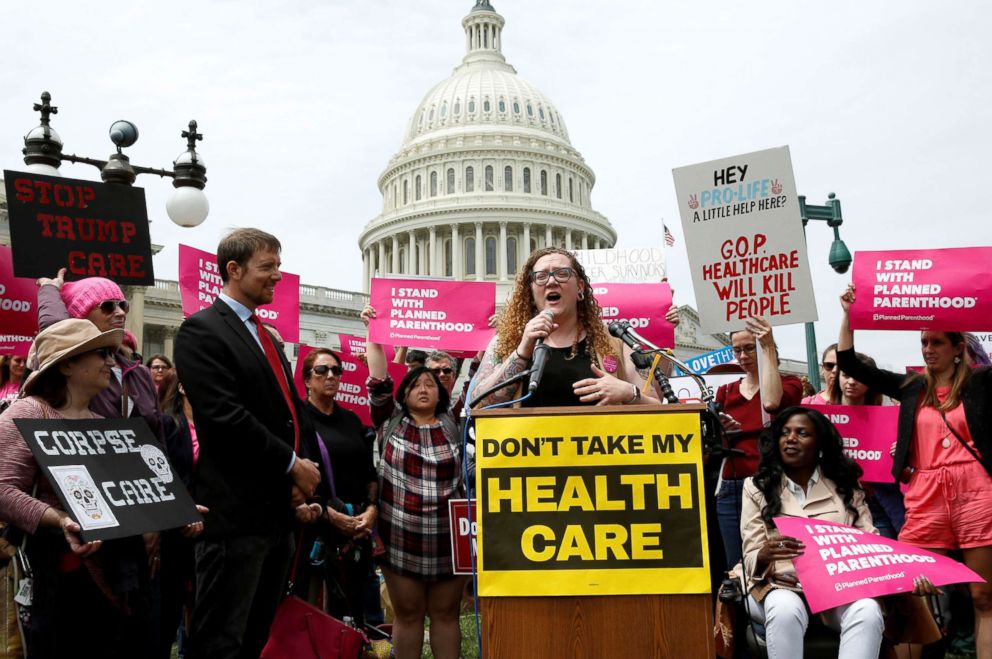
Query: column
456, 253
585, 240
568, 239
170, 341
381, 263
480, 264
411, 252
526, 250
433, 252
136, 316
396, 255
365, 270
548, 236
501, 253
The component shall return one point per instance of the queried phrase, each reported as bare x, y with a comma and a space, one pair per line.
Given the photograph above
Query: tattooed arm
492, 371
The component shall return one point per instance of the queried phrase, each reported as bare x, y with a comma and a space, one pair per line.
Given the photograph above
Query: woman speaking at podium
552, 303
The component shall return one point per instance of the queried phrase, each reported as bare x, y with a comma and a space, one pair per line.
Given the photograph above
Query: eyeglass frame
740, 350
548, 274
438, 370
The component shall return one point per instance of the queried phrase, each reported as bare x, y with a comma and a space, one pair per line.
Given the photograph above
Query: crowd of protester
299, 486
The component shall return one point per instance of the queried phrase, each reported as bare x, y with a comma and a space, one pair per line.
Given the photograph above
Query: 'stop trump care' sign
745, 240
90, 229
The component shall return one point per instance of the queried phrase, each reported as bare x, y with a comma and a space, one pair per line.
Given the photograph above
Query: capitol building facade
486, 174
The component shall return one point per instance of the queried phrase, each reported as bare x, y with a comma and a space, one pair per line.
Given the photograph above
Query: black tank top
560, 374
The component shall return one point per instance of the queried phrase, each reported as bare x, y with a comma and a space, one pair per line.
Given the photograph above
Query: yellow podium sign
591, 505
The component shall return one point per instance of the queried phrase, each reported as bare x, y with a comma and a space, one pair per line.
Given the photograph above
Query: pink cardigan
19, 471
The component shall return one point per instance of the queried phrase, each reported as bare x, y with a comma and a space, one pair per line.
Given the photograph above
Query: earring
957, 360
821, 454
582, 296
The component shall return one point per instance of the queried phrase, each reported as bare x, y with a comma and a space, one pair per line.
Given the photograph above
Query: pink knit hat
81, 296
130, 340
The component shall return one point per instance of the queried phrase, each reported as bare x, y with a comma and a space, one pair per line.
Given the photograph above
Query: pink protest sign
427, 313
868, 432
18, 308
936, 289
842, 564
200, 283
642, 305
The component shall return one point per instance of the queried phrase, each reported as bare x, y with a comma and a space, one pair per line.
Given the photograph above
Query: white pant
784, 615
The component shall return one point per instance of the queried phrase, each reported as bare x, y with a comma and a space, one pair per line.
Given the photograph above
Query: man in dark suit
252, 468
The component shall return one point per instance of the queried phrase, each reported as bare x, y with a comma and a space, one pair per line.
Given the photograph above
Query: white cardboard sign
745, 240
638, 265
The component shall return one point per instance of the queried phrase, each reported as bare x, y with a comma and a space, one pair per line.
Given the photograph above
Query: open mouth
553, 297
791, 450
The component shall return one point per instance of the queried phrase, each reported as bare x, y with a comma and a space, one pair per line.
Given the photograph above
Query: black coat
909, 389
243, 425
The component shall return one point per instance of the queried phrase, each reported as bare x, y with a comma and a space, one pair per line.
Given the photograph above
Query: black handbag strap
958, 437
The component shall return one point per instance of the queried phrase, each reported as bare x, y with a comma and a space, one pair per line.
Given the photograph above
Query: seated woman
803, 473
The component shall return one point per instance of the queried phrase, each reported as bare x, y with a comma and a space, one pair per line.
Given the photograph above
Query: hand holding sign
71, 531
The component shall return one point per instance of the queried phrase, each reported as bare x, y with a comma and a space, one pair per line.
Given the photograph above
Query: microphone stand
714, 440
523, 375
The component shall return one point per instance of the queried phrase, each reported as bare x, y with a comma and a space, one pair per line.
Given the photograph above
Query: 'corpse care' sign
91, 229
110, 475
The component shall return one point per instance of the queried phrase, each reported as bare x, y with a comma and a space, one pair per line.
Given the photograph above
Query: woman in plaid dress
419, 470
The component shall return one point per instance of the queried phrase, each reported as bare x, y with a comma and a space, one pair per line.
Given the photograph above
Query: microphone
541, 353
622, 330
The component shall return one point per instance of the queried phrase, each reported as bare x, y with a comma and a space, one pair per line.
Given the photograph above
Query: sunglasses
108, 306
829, 366
323, 370
447, 370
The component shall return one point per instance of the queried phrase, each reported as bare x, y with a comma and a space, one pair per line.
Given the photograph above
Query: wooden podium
596, 627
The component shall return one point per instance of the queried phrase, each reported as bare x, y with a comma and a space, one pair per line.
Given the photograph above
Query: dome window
516, 107
417, 189
558, 185
502, 105
469, 179
458, 107
406, 192
530, 110
541, 112
430, 117
489, 178
450, 180
491, 255
486, 106
508, 179
470, 256
511, 256
571, 197
434, 184
471, 106
544, 183
526, 179
444, 109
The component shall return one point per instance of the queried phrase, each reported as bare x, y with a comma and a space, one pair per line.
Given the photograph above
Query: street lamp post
840, 261
187, 206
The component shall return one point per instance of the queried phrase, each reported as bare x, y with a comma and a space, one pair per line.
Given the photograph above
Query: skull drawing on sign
84, 496
157, 462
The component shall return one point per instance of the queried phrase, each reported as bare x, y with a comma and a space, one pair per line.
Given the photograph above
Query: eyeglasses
438, 370
829, 366
108, 306
324, 369
158, 367
561, 275
740, 350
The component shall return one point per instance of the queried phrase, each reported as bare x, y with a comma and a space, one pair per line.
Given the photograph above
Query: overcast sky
303, 103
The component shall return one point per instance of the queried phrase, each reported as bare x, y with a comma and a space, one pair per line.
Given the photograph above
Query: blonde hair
520, 308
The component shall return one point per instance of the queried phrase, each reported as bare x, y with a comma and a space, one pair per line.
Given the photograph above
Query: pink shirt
19, 471
815, 399
934, 445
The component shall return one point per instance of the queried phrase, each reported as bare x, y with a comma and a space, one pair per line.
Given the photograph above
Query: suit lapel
239, 329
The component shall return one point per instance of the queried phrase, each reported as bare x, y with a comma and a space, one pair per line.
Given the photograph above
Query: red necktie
271, 354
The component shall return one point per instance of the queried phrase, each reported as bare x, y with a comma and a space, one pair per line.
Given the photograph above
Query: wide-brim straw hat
65, 339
